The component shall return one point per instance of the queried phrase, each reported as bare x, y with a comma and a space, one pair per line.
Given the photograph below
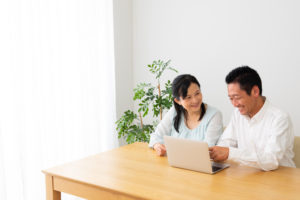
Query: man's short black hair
246, 77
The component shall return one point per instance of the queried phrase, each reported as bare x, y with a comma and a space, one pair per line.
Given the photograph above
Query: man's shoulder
275, 112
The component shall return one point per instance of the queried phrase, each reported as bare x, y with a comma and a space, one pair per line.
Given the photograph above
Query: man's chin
242, 112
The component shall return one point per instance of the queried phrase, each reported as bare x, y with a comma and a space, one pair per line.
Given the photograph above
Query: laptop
191, 154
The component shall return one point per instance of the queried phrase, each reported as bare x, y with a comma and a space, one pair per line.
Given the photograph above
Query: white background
210, 38
57, 101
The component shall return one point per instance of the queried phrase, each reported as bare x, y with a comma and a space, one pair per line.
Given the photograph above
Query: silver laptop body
191, 154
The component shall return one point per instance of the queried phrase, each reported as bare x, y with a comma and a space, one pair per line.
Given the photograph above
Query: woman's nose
194, 100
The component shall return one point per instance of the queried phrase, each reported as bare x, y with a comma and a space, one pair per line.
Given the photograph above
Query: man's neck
259, 104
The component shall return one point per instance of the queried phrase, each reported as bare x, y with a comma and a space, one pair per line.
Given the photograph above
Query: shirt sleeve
163, 128
214, 129
267, 158
229, 138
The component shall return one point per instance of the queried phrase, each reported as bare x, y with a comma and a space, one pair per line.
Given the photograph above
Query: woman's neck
192, 120
194, 116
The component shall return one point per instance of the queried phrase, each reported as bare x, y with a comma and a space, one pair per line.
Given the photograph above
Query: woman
189, 118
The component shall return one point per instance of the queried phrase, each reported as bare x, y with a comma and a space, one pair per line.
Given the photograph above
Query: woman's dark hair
180, 87
246, 77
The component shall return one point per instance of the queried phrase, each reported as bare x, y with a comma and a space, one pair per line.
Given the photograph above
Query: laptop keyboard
215, 168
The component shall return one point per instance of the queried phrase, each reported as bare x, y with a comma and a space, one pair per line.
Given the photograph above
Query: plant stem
160, 107
141, 119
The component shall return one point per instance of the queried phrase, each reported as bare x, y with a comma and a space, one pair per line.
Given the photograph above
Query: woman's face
193, 100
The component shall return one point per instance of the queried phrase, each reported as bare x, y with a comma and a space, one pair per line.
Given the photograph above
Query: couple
258, 134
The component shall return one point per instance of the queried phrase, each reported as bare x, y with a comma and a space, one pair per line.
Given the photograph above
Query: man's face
240, 99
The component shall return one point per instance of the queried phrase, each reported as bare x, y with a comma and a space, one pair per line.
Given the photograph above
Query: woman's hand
160, 149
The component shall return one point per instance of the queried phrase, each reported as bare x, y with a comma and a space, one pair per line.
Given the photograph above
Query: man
259, 134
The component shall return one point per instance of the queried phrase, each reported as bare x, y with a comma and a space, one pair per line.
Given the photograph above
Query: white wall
209, 38
123, 54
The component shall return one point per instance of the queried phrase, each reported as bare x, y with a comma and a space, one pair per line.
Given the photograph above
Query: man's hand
160, 149
219, 154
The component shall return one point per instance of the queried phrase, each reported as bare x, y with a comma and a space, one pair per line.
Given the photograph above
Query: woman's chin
195, 109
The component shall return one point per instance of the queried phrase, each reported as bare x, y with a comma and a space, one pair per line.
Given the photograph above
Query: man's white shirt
264, 141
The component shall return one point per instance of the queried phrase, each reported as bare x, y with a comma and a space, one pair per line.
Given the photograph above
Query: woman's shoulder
172, 110
170, 113
212, 111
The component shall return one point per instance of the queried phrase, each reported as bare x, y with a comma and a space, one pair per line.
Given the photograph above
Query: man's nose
235, 103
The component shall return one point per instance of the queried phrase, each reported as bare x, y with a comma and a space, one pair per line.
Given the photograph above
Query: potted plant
130, 126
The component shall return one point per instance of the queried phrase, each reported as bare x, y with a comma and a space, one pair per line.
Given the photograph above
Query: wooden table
135, 172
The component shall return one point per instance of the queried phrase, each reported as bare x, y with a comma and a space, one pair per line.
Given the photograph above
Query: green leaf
171, 68
146, 95
146, 112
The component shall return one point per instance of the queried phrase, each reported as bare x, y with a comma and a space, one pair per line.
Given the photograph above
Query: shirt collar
259, 115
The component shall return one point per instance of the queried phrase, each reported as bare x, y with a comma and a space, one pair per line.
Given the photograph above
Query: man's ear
255, 91
177, 101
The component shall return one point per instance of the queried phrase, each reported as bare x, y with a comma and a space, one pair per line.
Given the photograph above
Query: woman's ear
177, 101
